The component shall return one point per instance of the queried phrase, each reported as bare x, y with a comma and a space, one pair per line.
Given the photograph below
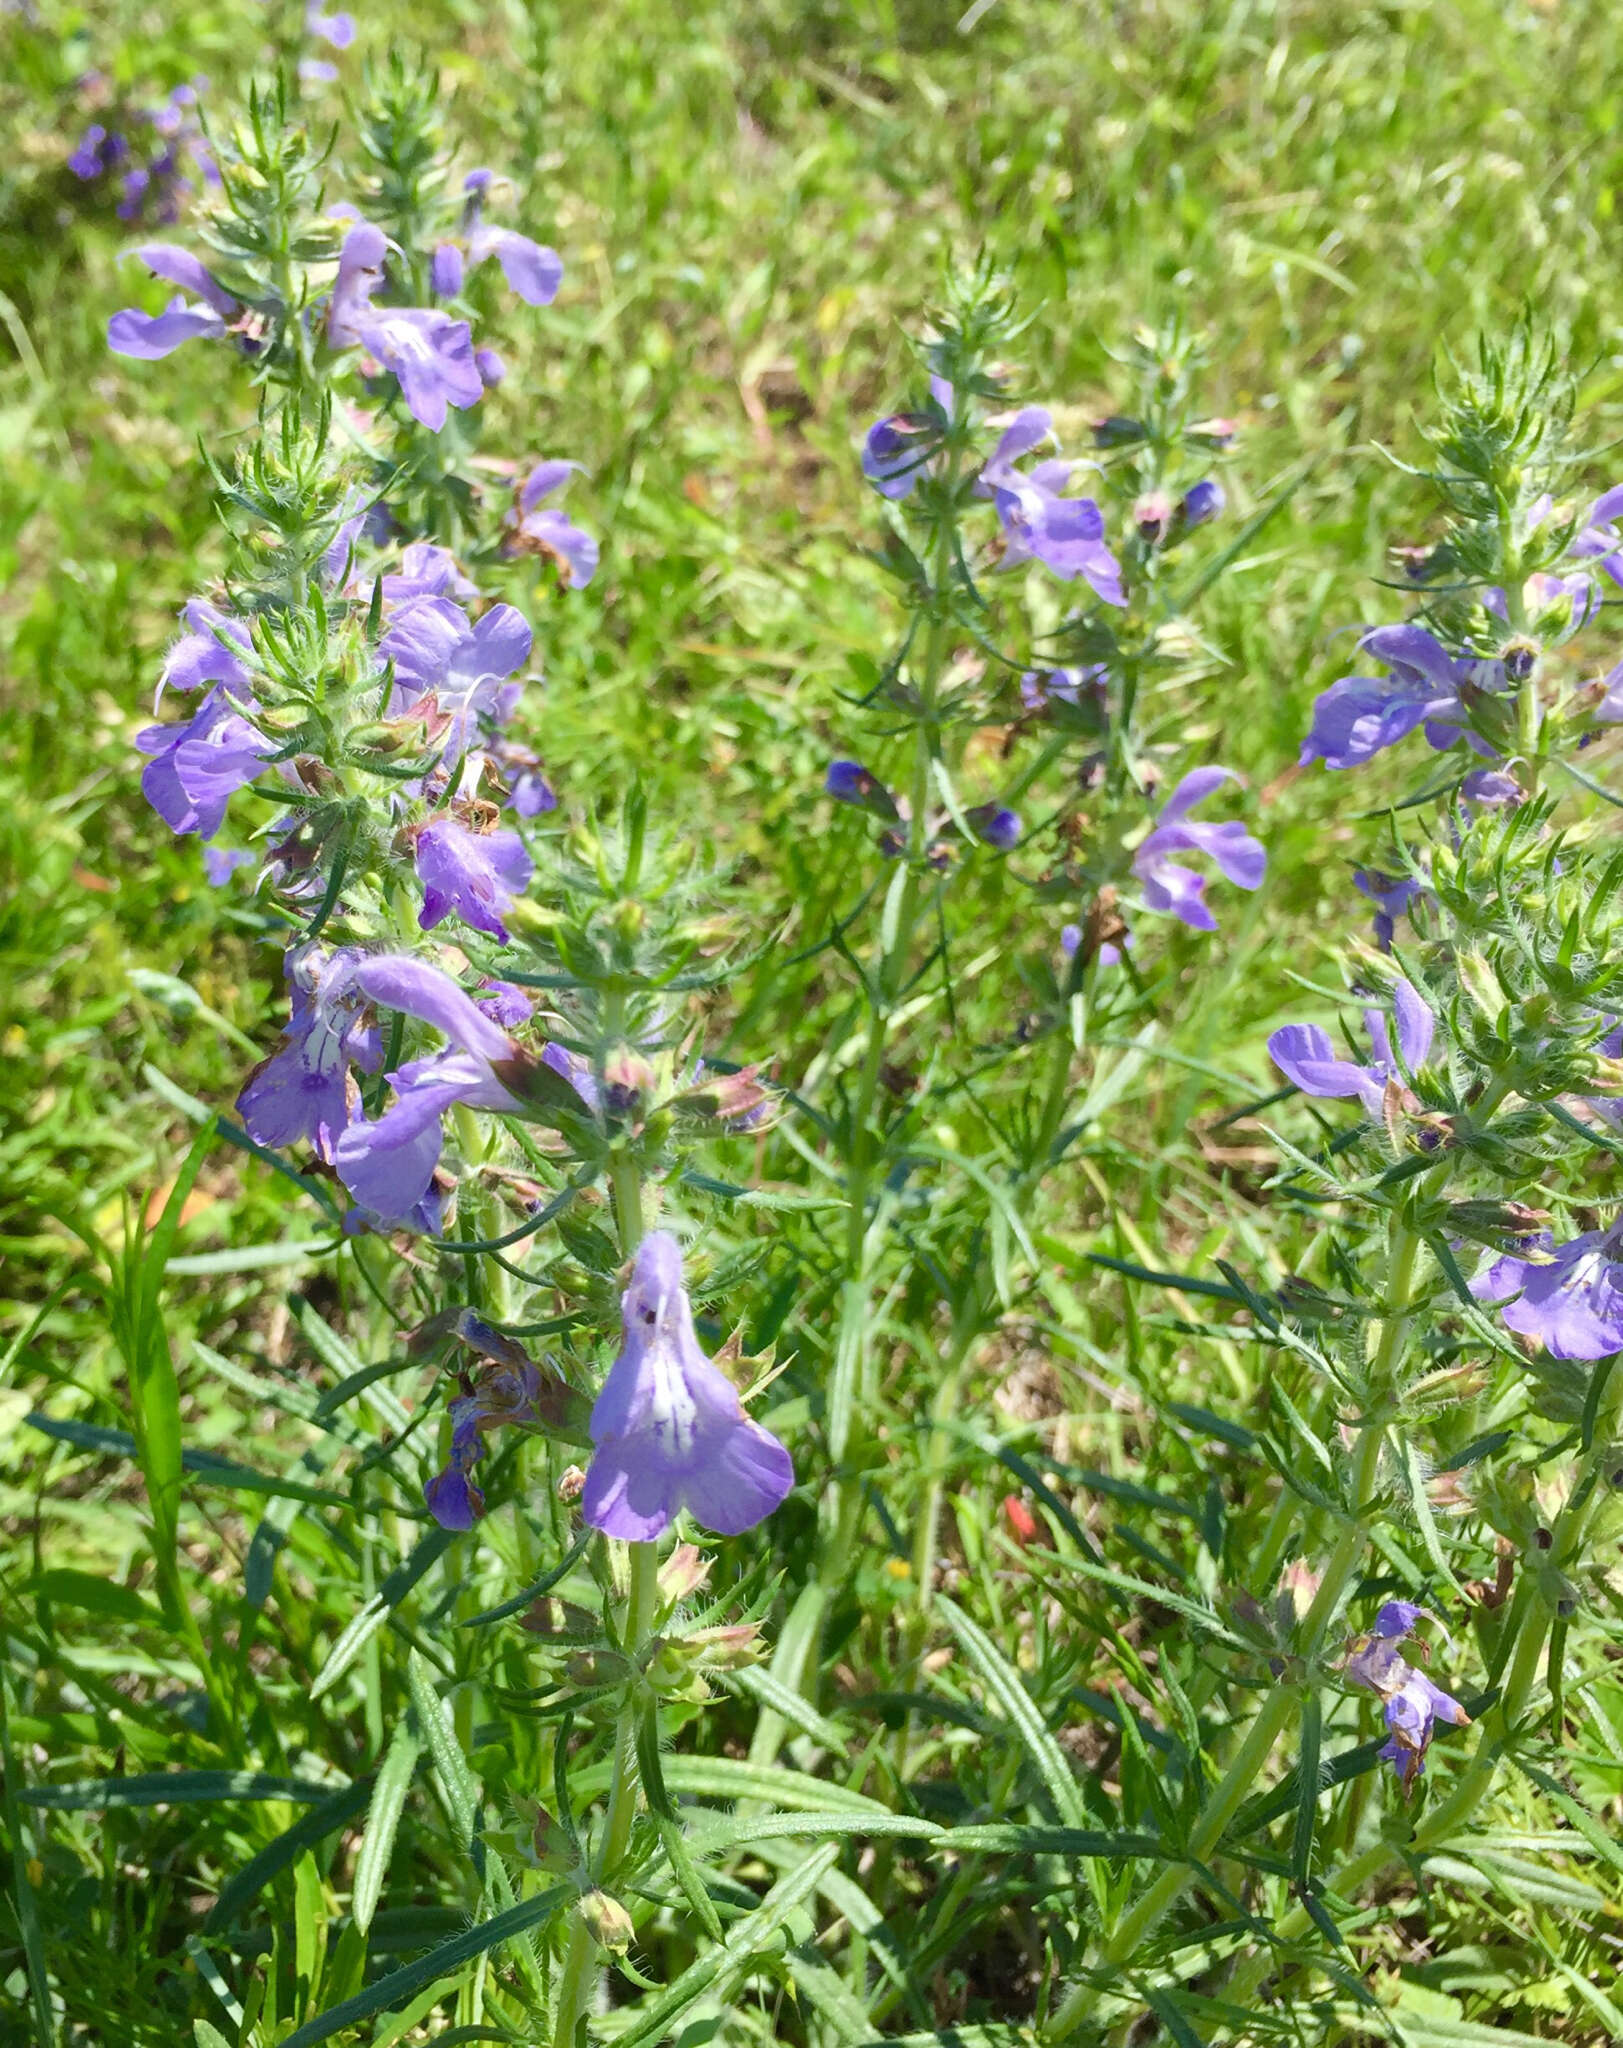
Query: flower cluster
156, 155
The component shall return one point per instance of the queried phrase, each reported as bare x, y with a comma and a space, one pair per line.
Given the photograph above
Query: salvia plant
638, 1301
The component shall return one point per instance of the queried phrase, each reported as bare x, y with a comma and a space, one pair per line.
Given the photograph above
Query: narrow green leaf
458, 1784
425, 1553
728, 1831
444, 1960
173, 1788
1018, 1707
333, 1812
1009, 1839
544, 1584
746, 1938
93, 1595
758, 1684
383, 1822
1307, 1801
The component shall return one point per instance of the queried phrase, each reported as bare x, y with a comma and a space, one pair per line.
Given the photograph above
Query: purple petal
399, 982
476, 875
180, 267
445, 271
543, 480
430, 353
1305, 1055
148, 337
531, 270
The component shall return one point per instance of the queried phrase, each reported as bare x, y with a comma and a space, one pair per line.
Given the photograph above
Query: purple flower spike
668, 1426
475, 874
1569, 1296
303, 1093
545, 530
1305, 1055
388, 1166
1179, 891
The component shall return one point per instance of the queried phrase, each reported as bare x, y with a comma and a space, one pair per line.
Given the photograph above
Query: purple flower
388, 1165
896, 450
457, 669
528, 790
544, 530
200, 764
995, 826
1358, 717
303, 1093
220, 863
508, 1394
208, 652
1177, 890
1203, 501
475, 874
532, 270
668, 1429
1305, 1055
430, 353
336, 29
1598, 542
425, 571
1492, 788
490, 366
848, 782
1569, 1296
446, 270
148, 337
1412, 1704
100, 150
1391, 896
1065, 534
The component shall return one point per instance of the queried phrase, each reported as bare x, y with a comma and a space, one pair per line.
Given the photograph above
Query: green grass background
754, 201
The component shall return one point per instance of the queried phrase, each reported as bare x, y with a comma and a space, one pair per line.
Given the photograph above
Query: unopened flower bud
683, 1572
606, 1921
1118, 431
1519, 657
1152, 515
1202, 501
628, 1083
629, 919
